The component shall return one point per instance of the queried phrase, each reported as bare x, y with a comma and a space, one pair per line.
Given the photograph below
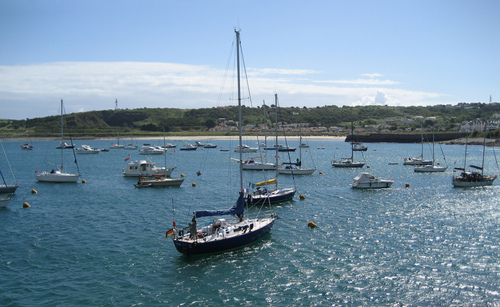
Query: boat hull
348, 164
297, 171
4, 202
430, 169
57, 177
271, 197
372, 185
417, 162
9, 188
162, 182
258, 166
199, 246
469, 181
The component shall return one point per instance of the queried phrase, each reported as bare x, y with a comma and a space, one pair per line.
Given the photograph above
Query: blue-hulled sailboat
222, 234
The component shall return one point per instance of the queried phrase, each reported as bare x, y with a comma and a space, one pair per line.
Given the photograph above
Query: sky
177, 54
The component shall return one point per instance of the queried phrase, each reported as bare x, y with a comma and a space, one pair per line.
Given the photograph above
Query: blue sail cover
236, 209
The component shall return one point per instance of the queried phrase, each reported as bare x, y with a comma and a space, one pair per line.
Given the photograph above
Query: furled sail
236, 209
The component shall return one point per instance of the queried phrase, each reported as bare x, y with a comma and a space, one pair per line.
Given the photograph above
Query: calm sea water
102, 242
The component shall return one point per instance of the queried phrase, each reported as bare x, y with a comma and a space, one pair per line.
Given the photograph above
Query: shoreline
176, 138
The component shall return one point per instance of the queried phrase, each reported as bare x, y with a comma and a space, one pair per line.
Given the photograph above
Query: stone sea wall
403, 138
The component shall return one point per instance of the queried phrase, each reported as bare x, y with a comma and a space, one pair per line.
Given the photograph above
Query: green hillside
150, 122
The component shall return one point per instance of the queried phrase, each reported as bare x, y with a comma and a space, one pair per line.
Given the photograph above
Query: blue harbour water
102, 243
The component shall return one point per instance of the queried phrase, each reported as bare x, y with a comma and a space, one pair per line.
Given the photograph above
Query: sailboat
260, 163
296, 168
117, 145
264, 195
220, 234
28, 145
473, 178
7, 188
433, 167
420, 159
58, 175
349, 162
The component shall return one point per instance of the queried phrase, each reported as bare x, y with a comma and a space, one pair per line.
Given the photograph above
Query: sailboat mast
352, 141
276, 148
62, 139
239, 105
484, 151
433, 147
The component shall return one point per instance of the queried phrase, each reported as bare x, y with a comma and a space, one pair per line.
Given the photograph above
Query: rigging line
8, 163
71, 141
286, 144
224, 79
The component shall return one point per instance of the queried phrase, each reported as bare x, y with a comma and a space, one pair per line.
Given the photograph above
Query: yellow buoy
182, 175
193, 184
84, 181
407, 185
34, 191
26, 205
312, 225
302, 196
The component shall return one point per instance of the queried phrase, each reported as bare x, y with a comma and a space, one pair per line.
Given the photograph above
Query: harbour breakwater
403, 138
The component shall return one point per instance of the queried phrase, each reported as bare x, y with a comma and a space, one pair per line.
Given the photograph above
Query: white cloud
35, 90
380, 98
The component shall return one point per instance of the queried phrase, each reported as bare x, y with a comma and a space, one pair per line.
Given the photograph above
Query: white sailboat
260, 163
296, 168
433, 167
220, 234
263, 194
4, 187
349, 162
58, 175
420, 159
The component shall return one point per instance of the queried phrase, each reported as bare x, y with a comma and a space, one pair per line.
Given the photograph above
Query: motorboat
209, 145
188, 146
146, 169
4, 202
366, 180
27, 146
86, 149
149, 150
159, 181
245, 149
